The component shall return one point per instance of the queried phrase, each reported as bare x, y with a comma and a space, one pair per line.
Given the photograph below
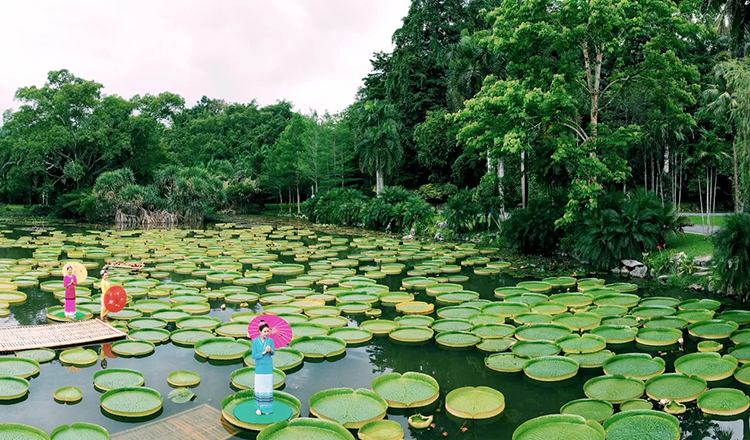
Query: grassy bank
692, 244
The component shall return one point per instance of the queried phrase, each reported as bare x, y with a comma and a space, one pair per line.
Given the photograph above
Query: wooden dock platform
203, 422
64, 334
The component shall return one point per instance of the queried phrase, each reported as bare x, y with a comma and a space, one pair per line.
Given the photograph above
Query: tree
378, 144
732, 18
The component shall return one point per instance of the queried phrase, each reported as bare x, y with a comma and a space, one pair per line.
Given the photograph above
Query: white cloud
311, 52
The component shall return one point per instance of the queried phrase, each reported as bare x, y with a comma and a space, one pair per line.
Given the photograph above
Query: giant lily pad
586, 343
18, 367
12, 388
636, 365
534, 349
613, 388
616, 334
659, 336
590, 409
183, 378
675, 386
40, 355
493, 331
381, 430
505, 309
700, 304
408, 390
723, 402
190, 336
131, 402
542, 332
578, 321
495, 345
647, 312
68, 394
222, 348
351, 408
154, 335
642, 424
667, 321
379, 326
741, 317
305, 428
319, 347
79, 357
475, 402
457, 339
551, 368
351, 335
231, 402
740, 351
506, 362
112, 378
712, 329
618, 299
132, 348
17, 431
591, 360
79, 431
559, 427
709, 366
244, 378
572, 299
411, 334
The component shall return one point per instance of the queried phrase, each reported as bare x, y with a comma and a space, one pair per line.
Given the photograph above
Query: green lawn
692, 244
717, 220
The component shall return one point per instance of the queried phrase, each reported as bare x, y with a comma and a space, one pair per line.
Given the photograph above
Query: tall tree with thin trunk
378, 144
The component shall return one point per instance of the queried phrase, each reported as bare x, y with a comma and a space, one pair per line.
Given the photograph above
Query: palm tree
379, 144
733, 19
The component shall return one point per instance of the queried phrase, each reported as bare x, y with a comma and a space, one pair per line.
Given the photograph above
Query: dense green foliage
532, 230
732, 256
624, 226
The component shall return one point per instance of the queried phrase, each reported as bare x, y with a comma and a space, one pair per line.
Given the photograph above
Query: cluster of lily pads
548, 329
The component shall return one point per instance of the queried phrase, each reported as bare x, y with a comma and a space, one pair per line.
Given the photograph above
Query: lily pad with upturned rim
352, 408
68, 394
411, 334
741, 317
506, 362
723, 402
591, 360
616, 334
590, 409
586, 343
285, 359
559, 427
642, 424
183, 378
351, 335
636, 365
578, 321
153, 335
79, 357
12, 388
244, 378
132, 348
495, 345
131, 402
303, 428
231, 402
79, 431
113, 378
551, 368
666, 321
18, 367
709, 366
40, 355
190, 336
475, 402
675, 386
408, 390
381, 430
222, 348
457, 339
542, 332
379, 326
613, 388
712, 329
658, 337
319, 347
636, 404
17, 431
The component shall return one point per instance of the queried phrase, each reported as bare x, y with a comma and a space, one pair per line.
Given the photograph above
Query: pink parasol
115, 299
281, 331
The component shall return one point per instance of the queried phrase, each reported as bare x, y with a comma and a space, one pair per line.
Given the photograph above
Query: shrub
462, 212
340, 206
380, 215
624, 227
532, 230
414, 212
437, 192
732, 256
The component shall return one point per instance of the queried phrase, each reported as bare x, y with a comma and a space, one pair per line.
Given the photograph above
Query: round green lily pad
741, 317
535, 286
132, 348
527, 298
493, 331
660, 301
40, 355
18, 367
147, 323
613, 388
542, 332
586, 343
68, 394
618, 299
12, 388
319, 347
351, 335
636, 365
740, 336
112, 378
648, 312
667, 321
712, 329
578, 321
551, 368
535, 349
723, 402
304, 428
616, 334
222, 348
636, 404
351, 408
284, 359
204, 322
411, 334
381, 430
79, 431
700, 304
247, 398
232, 329
300, 329
743, 374
628, 320
153, 335
642, 424
590, 409
475, 402
408, 390
79, 357
675, 386
415, 321
591, 360
531, 318
572, 299
709, 366
559, 427
457, 339
711, 346
495, 345
244, 378
131, 402
506, 362
506, 309
17, 431
183, 378
695, 315
190, 336
452, 325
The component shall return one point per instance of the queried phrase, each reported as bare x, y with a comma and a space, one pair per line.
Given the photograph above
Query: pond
452, 368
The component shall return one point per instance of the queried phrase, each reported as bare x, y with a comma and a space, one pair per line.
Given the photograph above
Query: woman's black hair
262, 325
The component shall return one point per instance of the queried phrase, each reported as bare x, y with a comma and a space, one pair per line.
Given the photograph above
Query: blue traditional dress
263, 374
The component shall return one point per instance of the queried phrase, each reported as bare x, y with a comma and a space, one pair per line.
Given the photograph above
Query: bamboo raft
65, 334
203, 422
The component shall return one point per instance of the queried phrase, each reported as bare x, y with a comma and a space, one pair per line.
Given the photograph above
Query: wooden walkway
203, 422
64, 334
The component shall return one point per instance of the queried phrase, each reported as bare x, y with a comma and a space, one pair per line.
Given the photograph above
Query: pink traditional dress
70, 282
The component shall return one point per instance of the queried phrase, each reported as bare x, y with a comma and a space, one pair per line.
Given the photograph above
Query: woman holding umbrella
70, 282
263, 349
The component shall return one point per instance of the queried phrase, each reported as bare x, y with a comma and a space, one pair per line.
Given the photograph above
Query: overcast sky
311, 52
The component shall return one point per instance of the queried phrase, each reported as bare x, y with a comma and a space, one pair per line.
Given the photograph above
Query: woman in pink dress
70, 282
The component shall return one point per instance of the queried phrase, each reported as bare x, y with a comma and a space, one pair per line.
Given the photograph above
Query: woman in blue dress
263, 349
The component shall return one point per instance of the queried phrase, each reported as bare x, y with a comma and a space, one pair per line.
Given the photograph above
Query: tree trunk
290, 199
736, 180
524, 182
299, 207
500, 189
379, 185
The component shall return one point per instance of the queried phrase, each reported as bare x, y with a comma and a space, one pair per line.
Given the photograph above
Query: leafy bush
462, 211
380, 215
245, 196
339, 206
532, 230
437, 192
732, 256
624, 227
